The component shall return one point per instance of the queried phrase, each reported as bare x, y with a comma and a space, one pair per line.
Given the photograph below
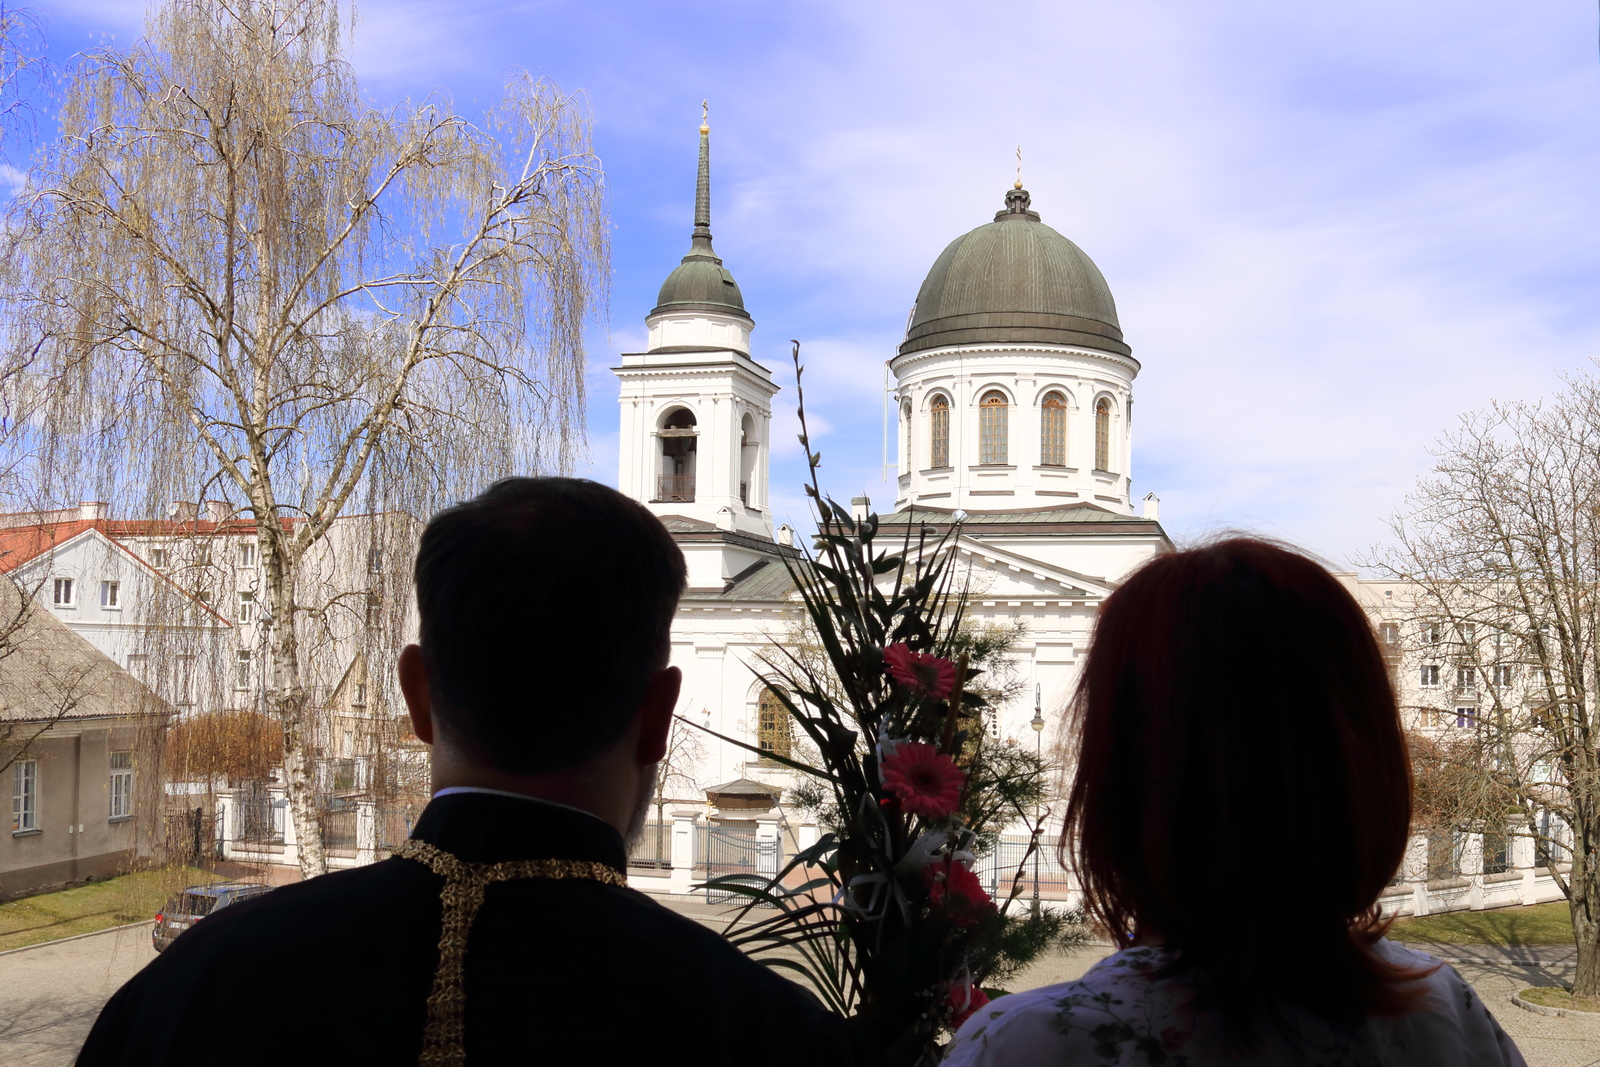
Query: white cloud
1329, 229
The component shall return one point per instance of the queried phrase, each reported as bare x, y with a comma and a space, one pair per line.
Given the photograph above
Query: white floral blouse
1119, 1014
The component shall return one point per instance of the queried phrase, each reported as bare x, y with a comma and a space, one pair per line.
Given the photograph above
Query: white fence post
224, 828
291, 842
806, 836
684, 825
366, 832
1472, 870
769, 847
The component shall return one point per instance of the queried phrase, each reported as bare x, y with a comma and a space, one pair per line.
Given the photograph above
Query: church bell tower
696, 409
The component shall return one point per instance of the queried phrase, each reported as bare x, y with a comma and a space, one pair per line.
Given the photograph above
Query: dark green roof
1017, 281
700, 282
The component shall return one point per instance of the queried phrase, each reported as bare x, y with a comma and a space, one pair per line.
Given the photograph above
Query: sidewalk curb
74, 937
1559, 1013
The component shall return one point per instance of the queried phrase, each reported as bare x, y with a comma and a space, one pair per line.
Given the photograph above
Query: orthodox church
1014, 392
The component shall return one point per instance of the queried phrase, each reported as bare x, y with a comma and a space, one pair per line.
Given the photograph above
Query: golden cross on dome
705, 117
1019, 168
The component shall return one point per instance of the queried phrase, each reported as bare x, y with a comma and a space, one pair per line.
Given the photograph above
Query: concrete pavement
53, 992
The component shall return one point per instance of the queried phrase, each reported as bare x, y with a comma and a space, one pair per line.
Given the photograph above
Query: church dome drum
1014, 281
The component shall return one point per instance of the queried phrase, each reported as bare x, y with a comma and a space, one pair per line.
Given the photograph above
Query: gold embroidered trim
462, 896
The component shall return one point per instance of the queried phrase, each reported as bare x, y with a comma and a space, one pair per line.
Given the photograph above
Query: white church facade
1014, 390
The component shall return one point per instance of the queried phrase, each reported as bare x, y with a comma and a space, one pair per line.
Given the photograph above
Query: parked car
195, 903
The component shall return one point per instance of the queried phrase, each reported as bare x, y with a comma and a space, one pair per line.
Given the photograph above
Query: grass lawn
84, 909
1542, 924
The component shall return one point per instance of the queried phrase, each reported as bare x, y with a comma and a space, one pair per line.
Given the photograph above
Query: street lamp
1038, 749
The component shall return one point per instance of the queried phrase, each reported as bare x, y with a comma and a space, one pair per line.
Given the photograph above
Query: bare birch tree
1498, 551
238, 280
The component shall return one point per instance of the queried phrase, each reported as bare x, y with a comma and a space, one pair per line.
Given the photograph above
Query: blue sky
1330, 229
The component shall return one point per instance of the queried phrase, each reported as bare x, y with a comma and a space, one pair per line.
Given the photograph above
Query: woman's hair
1243, 791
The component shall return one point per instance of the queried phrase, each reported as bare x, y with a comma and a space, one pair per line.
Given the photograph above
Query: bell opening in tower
675, 483
749, 449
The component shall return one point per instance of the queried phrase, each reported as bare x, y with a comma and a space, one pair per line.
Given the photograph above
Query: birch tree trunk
234, 278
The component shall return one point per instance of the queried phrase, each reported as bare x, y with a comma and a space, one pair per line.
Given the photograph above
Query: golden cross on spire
705, 117
1019, 168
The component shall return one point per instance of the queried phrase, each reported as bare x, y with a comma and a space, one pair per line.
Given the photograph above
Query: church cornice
908, 360
754, 375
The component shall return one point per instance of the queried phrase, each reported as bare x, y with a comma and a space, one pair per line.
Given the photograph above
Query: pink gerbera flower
965, 998
957, 893
925, 781
925, 675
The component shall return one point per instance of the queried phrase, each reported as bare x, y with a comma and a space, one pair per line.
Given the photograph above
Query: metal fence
997, 868
259, 819
654, 847
735, 850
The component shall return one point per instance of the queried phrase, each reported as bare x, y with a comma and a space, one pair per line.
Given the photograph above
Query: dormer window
992, 428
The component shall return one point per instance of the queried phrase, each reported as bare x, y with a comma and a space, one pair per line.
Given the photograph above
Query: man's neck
591, 787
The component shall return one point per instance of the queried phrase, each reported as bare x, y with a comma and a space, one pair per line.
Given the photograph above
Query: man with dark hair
503, 930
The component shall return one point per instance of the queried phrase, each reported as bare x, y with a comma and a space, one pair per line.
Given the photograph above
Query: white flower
923, 851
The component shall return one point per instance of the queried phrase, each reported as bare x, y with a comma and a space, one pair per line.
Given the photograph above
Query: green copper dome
1014, 281
701, 282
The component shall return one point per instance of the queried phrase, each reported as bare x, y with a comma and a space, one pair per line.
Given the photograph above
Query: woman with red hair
1242, 797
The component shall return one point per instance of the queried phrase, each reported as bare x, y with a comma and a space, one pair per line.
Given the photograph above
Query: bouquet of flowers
893, 928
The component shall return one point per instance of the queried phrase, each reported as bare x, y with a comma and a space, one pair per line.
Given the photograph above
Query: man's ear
655, 714
414, 687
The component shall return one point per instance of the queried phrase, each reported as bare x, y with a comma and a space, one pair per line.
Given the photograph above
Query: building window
1430, 633
247, 605
1102, 435
939, 438
374, 610
1502, 674
121, 784
1466, 718
1053, 431
374, 560
158, 558
247, 554
1466, 680
1430, 676
24, 796
773, 729
360, 699
1390, 632
111, 595
992, 428
64, 593
241, 669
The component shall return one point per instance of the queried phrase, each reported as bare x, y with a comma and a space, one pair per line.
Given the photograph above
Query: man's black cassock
338, 969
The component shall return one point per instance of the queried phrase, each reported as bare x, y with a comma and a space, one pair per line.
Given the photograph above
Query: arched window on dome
1102, 435
992, 427
1053, 431
774, 735
939, 434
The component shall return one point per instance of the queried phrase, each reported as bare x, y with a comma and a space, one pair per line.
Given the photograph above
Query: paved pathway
53, 992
